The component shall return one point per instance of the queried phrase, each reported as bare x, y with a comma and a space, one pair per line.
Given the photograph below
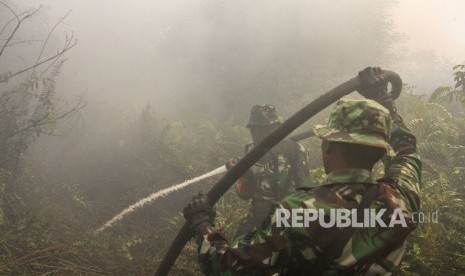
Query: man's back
273, 177
283, 169
371, 250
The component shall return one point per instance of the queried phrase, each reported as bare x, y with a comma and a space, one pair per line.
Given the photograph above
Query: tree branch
48, 37
64, 50
8, 23
11, 10
58, 57
80, 105
16, 28
30, 41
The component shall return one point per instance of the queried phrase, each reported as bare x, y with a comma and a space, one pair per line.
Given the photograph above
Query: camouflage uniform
274, 176
297, 251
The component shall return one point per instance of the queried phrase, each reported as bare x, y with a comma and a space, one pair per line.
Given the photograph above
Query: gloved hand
199, 210
374, 86
231, 163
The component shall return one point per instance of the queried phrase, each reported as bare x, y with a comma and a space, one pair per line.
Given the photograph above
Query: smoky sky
220, 56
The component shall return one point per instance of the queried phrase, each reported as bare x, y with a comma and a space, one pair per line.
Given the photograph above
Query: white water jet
161, 193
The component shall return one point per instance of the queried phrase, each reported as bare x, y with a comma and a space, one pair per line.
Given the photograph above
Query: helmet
263, 115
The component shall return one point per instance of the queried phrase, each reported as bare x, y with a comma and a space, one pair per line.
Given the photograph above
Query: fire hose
300, 117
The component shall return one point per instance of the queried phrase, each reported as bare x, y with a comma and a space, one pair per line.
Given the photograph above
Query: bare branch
64, 50
8, 23
11, 10
68, 41
48, 37
17, 27
80, 105
24, 42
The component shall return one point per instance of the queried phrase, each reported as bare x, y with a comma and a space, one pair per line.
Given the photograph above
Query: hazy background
183, 61
169, 86
186, 61
224, 56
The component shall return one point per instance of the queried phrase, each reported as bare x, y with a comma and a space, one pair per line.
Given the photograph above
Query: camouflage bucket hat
263, 115
363, 122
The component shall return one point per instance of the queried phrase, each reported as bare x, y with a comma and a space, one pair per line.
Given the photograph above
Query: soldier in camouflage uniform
276, 174
357, 134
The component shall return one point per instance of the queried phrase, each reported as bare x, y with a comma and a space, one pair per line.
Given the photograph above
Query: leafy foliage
50, 208
69, 206
437, 247
447, 94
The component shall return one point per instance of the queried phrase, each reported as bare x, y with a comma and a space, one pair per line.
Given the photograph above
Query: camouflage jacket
296, 251
279, 172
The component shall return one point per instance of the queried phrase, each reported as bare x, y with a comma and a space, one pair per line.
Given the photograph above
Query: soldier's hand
374, 84
231, 163
199, 210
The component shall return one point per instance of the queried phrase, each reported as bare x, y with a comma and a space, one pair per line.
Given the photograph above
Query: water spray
167, 191
156, 195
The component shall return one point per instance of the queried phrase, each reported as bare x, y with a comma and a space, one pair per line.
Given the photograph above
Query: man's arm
404, 168
255, 253
246, 184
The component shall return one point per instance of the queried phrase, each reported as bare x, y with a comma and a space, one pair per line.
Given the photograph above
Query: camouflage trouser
260, 211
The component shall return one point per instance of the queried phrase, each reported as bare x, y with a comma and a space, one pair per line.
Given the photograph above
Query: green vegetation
51, 227
55, 192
